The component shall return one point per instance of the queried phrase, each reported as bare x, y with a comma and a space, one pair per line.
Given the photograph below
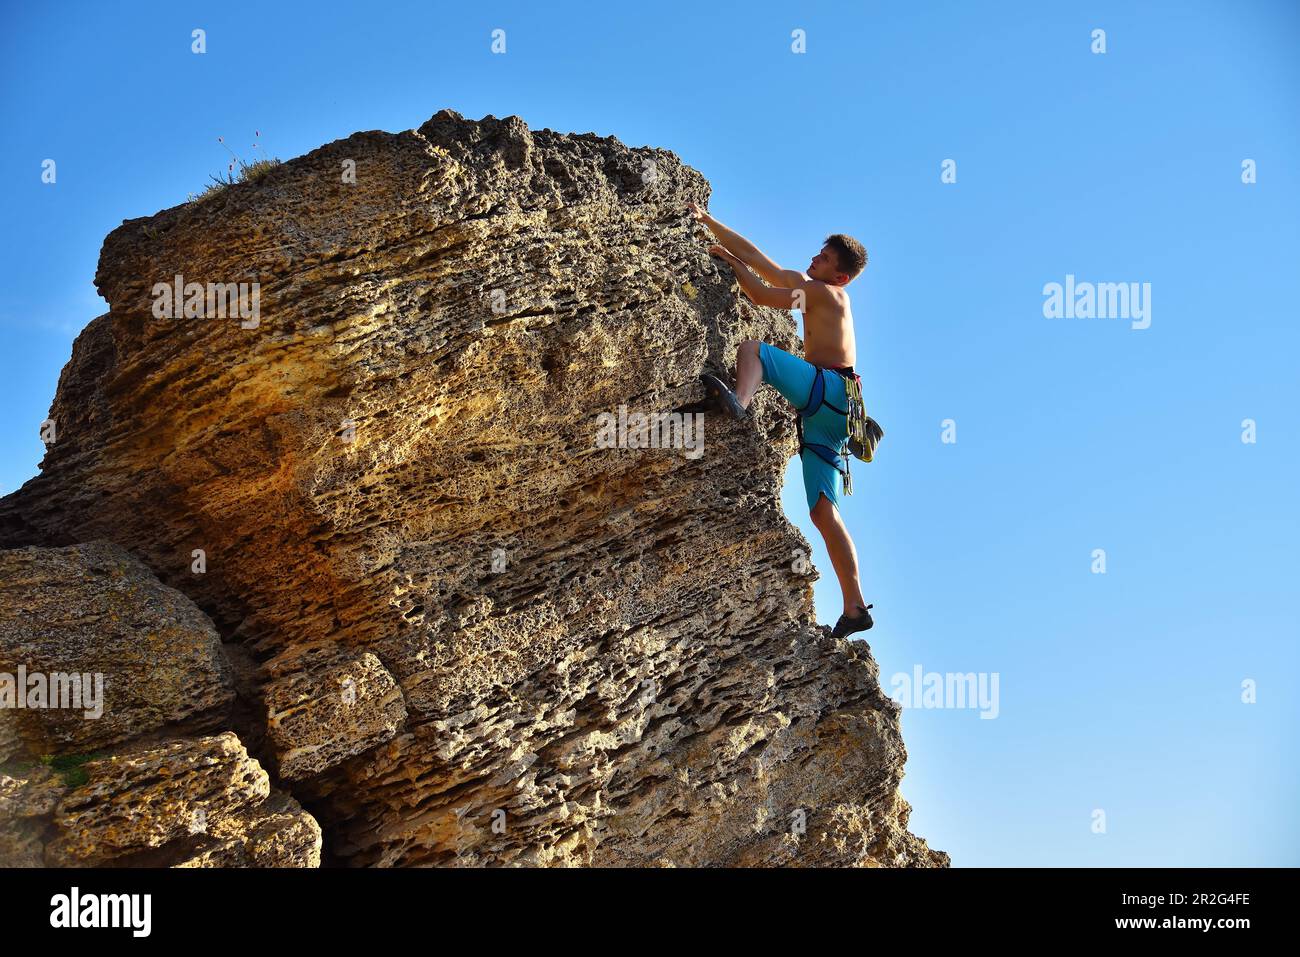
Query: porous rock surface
473, 635
187, 802
108, 760
95, 615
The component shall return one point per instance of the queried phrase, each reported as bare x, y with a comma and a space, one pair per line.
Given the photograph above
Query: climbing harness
863, 432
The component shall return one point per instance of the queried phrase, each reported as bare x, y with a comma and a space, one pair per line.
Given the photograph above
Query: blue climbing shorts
793, 378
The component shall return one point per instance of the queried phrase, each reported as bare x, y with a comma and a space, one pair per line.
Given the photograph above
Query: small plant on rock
248, 172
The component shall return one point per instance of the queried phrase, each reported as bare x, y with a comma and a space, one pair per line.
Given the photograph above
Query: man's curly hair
849, 253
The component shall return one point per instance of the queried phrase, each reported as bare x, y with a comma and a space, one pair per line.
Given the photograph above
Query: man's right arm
748, 253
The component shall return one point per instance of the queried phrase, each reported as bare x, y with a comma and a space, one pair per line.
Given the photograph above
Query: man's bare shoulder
825, 291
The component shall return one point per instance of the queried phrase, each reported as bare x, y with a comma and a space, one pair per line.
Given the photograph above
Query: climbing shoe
847, 626
718, 391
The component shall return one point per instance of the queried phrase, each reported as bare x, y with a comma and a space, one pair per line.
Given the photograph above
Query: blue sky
1118, 691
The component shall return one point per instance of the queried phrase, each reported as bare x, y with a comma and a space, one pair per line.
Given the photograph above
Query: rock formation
106, 760
472, 633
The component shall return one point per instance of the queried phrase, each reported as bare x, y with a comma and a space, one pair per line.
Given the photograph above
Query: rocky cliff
469, 631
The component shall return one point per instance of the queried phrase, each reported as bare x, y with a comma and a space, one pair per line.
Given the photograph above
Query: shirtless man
819, 294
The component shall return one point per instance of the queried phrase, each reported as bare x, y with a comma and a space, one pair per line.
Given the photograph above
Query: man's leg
843, 556
749, 371
749, 376
792, 376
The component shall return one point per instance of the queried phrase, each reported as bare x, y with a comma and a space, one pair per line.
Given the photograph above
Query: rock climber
819, 293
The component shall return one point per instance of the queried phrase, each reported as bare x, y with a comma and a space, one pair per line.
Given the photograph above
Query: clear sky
1118, 692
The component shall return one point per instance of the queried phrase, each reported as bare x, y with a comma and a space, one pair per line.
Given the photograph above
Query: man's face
825, 268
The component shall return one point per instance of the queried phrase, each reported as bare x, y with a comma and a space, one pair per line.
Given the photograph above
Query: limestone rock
10, 742
70, 792
27, 799
557, 652
187, 802
140, 651
322, 702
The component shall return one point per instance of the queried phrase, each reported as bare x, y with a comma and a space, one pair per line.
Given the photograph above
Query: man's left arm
759, 292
